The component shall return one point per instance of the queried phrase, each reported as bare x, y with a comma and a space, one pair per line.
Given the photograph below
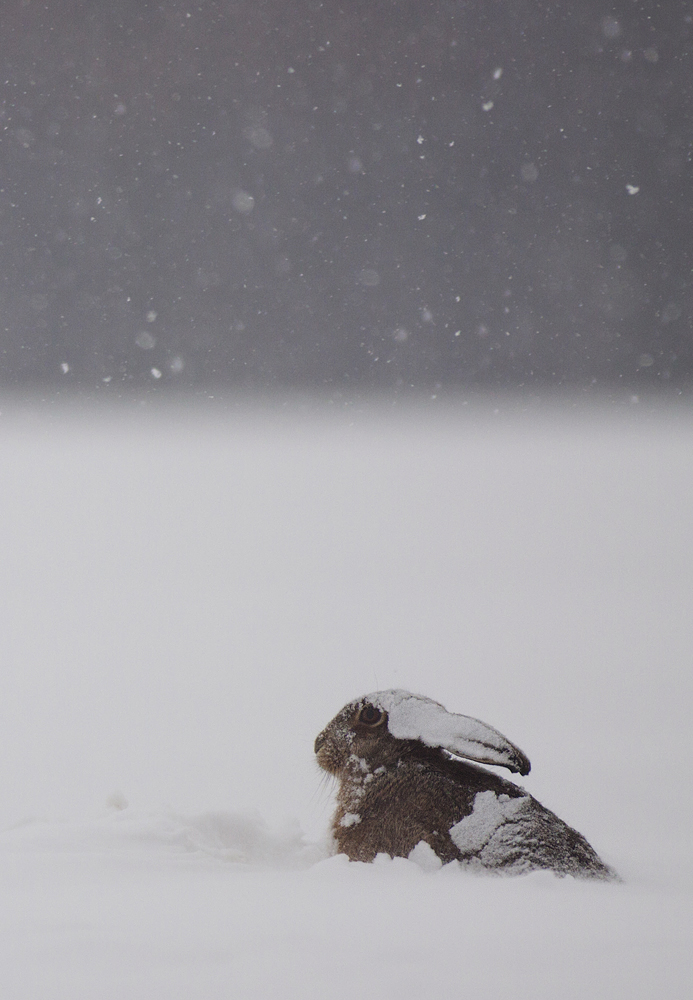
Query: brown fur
395, 793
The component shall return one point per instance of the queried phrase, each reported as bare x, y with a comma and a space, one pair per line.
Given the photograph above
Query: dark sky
372, 194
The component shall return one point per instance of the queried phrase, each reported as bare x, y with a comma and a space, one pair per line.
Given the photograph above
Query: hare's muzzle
327, 754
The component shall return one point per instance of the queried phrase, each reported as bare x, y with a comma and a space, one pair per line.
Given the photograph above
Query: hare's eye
370, 716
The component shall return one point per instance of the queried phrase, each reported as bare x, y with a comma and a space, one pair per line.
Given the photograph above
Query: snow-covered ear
414, 717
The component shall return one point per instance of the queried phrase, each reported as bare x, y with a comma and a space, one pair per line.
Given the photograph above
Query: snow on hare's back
396, 756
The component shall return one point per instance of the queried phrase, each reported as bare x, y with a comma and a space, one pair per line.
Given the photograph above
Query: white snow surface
490, 811
190, 593
415, 717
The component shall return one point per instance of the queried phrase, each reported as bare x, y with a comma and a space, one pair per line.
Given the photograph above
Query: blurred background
343, 346
419, 193
267, 222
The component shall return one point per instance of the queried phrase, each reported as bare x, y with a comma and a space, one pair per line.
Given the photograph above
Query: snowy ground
189, 595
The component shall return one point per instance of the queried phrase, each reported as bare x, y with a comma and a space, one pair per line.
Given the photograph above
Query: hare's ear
413, 717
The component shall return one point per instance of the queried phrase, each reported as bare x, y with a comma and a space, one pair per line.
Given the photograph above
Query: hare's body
396, 791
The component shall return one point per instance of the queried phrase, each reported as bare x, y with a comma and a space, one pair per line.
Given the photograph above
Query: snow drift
187, 597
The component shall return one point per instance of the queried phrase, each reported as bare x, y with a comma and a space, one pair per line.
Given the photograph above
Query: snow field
188, 597
136, 913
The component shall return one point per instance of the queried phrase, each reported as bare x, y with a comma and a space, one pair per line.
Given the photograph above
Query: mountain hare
396, 756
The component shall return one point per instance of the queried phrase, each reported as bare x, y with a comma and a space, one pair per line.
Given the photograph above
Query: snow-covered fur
396, 757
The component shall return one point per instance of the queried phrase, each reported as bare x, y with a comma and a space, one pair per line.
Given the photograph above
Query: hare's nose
320, 741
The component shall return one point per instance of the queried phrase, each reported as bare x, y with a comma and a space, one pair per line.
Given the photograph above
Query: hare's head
381, 728
358, 733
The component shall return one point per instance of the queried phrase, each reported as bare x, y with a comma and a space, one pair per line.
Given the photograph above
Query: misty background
375, 194
310, 218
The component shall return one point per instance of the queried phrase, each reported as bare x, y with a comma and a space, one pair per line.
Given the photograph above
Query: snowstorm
388, 194
344, 350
